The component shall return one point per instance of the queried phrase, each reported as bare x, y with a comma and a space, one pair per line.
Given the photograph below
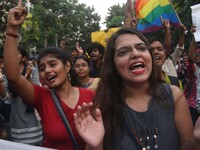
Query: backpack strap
175, 81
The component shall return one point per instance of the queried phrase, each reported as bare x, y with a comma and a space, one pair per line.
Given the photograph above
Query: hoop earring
69, 77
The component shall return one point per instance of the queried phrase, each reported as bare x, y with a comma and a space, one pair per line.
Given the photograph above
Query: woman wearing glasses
82, 68
135, 110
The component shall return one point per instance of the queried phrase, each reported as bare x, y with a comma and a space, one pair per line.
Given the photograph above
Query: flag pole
128, 14
175, 12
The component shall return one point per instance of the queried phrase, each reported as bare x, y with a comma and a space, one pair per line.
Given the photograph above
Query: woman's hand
80, 50
89, 128
28, 72
165, 22
16, 17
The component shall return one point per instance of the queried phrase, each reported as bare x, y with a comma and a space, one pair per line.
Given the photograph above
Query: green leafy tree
5, 5
116, 21
80, 24
115, 16
184, 12
53, 20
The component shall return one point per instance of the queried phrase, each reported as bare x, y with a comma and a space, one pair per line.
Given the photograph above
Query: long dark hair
64, 57
108, 97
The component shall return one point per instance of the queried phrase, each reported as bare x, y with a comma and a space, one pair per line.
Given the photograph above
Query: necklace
144, 133
88, 83
89, 80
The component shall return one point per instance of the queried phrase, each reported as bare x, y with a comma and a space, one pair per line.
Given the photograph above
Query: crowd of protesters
138, 92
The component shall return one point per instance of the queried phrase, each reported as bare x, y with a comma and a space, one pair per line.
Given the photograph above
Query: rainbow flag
150, 11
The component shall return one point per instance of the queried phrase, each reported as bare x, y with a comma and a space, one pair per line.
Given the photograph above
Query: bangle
13, 35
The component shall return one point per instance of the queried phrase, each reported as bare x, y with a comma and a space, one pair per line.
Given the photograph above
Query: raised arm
192, 44
80, 50
181, 39
167, 40
21, 85
180, 46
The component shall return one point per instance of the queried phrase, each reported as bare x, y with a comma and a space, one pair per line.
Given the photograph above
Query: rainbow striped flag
150, 11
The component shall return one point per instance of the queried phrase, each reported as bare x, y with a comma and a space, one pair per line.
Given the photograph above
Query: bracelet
13, 35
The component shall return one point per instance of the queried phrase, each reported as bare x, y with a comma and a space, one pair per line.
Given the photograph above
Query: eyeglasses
80, 65
127, 50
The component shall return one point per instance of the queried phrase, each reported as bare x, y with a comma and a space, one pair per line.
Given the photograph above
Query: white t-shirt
169, 66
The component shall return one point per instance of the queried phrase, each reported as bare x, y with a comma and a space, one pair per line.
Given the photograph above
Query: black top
94, 70
154, 128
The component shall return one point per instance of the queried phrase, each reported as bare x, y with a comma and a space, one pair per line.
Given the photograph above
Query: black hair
74, 48
84, 58
96, 45
1, 56
109, 97
22, 51
56, 52
197, 44
153, 39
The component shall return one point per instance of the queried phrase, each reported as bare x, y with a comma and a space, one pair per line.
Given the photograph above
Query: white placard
7, 145
196, 21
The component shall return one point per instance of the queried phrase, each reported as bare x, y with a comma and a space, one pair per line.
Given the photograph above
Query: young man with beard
96, 52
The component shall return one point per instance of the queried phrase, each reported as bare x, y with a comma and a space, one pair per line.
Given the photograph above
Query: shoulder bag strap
64, 119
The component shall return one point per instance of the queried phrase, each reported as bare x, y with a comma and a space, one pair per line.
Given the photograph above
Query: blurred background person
82, 68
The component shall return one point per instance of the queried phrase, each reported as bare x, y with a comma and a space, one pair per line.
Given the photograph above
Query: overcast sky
101, 6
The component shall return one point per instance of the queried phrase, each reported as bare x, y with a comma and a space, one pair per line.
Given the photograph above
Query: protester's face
95, 55
53, 72
62, 44
197, 57
132, 59
82, 68
74, 54
185, 58
158, 52
30, 63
